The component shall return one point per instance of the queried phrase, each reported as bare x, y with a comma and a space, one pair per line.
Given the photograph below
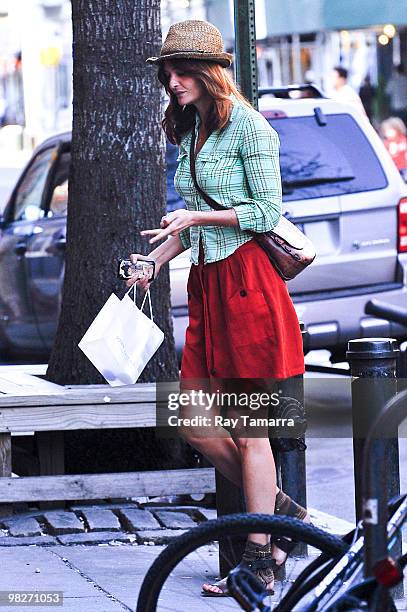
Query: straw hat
193, 39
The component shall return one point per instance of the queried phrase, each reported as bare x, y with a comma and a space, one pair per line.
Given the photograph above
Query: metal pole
373, 369
229, 500
245, 49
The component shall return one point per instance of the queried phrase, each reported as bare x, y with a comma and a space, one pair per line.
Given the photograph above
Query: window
326, 160
27, 203
59, 199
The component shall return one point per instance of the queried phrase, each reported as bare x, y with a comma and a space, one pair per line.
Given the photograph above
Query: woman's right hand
142, 283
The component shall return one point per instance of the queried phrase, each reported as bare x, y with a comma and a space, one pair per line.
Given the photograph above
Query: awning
303, 16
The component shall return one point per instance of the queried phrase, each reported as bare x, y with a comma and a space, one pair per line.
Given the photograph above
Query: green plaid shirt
239, 168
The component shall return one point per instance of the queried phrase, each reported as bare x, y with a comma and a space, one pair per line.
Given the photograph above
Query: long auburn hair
215, 80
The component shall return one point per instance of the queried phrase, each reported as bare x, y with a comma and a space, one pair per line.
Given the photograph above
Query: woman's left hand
171, 224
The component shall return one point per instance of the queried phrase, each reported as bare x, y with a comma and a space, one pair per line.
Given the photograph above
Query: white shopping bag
122, 339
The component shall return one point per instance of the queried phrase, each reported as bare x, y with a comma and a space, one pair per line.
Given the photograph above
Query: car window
174, 200
59, 198
27, 202
326, 160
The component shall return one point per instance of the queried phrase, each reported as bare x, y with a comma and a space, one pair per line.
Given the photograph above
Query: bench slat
98, 394
102, 486
65, 417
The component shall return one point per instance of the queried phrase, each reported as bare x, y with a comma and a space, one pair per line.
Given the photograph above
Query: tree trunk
117, 177
116, 188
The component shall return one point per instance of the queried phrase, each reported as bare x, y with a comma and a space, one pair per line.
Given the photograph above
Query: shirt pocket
222, 159
248, 318
221, 169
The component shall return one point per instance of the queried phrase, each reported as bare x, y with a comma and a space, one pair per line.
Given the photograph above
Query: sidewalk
105, 578
98, 554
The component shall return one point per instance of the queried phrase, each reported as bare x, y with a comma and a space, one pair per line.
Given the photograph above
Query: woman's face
187, 89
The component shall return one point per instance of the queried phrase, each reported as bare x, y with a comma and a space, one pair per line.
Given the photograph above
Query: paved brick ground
116, 522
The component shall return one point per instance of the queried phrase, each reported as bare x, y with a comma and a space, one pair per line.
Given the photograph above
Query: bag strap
201, 192
147, 295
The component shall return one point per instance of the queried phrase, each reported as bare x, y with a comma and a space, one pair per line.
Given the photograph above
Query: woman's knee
247, 444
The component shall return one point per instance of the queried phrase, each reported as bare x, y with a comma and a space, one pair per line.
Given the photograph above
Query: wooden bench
84, 407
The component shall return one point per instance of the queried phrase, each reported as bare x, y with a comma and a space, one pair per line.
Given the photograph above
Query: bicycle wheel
180, 569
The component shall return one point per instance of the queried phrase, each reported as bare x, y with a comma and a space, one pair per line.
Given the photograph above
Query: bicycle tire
230, 525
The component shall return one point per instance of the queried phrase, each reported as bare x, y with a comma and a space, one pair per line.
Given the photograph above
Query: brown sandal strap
287, 506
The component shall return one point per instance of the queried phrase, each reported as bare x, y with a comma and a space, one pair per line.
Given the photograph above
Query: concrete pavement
107, 578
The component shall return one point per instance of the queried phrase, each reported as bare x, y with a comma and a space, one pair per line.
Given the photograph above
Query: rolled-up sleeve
185, 238
260, 155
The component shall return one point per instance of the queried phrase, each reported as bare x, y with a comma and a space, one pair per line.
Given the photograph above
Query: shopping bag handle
134, 286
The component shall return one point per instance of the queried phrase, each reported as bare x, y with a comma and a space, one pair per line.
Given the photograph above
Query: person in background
396, 89
343, 92
367, 93
395, 140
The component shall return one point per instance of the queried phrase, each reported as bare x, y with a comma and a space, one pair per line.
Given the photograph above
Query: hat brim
224, 59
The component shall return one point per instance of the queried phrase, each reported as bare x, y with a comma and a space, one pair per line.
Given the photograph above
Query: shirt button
243, 293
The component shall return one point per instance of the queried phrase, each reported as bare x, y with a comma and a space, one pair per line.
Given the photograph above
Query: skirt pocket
248, 318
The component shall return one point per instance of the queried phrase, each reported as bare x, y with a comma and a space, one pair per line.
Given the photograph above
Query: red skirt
242, 322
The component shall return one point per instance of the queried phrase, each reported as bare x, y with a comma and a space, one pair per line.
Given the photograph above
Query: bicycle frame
350, 566
374, 478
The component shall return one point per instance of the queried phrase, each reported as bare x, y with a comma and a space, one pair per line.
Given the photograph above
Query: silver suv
339, 185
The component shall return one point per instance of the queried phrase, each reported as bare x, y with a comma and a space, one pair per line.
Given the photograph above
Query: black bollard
373, 369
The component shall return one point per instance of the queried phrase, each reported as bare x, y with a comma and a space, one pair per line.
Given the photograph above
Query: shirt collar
235, 107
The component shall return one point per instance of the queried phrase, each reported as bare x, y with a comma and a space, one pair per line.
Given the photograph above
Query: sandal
287, 506
258, 559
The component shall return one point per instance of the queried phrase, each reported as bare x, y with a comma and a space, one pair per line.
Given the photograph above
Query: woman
395, 140
243, 331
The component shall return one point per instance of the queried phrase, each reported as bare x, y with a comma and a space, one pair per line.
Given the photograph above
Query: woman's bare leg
259, 485
258, 478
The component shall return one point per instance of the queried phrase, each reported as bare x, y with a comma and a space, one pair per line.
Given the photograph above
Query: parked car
340, 187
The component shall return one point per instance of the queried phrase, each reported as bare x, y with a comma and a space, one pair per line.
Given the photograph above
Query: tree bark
117, 178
